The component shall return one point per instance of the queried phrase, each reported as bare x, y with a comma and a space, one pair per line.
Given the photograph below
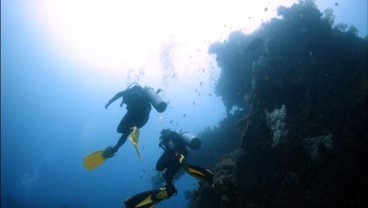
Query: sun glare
126, 35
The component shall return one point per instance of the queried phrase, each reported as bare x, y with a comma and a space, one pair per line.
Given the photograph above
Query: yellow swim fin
150, 199
146, 199
93, 160
197, 172
134, 138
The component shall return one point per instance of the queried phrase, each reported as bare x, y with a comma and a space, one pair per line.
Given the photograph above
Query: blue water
49, 123
50, 120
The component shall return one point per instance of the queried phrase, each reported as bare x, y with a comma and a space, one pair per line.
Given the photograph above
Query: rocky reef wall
299, 138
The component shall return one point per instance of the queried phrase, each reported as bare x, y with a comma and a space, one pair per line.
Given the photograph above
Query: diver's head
165, 137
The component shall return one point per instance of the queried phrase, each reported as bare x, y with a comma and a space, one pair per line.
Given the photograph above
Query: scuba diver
138, 102
173, 158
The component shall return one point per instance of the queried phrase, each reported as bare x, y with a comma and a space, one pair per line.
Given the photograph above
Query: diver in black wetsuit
138, 110
173, 158
138, 101
173, 147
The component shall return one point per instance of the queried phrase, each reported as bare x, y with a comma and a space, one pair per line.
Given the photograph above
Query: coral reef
276, 122
300, 140
317, 145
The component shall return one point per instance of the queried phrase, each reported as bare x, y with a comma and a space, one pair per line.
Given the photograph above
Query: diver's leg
170, 190
121, 141
125, 130
110, 151
162, 162
169, 177
141, 119
125, 124
171, 172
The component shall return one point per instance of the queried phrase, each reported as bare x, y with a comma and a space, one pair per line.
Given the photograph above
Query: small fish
171, 121
184, 115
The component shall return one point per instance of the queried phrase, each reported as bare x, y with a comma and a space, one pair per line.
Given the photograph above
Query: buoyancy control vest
143, 97
135, 99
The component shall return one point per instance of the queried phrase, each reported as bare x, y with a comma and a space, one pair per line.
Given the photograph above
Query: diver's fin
93, 160
197, 172
148, 199
134, 138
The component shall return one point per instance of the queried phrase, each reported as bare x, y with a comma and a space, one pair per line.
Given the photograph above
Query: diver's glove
107, 104
108, 152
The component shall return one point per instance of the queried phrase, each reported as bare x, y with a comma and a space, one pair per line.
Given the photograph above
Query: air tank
155, 100
192, 141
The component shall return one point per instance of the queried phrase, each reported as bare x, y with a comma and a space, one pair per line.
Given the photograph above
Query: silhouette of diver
138, 110
172, 159
138, 102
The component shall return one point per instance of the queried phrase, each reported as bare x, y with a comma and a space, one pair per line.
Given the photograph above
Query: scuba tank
190, 140
155, 99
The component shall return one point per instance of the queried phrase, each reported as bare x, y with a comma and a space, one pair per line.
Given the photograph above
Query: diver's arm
162, 162
113, 99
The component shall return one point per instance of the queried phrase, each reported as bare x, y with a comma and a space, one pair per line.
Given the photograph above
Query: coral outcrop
300, 140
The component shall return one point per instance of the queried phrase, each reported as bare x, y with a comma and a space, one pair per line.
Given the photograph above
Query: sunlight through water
115, 36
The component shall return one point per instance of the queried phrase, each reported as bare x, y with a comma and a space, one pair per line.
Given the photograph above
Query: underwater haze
62, 60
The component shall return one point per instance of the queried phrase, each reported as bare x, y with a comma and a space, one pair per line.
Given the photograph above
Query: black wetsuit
138, 110
169, 160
